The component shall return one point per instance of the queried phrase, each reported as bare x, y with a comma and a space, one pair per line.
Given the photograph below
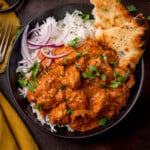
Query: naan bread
118, 30
110, 13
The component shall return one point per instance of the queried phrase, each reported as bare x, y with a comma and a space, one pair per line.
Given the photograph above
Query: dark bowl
15, 56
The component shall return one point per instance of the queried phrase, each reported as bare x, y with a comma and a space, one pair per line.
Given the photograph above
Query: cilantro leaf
64, 60
38, 107
124, 78
113, 63
117, 74
78, 66
63, 87
30, 86
23, 82
85, 17
70, 112
87, 52
95, 56
103, 121
115, 84
104, 57
103, 76
88, 74
73, 42
102, 85
94, 68
35, 69
131, 8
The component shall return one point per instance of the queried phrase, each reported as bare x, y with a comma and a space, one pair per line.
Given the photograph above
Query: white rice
74, 27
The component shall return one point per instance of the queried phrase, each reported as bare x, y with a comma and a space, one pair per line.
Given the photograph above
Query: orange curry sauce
75, 90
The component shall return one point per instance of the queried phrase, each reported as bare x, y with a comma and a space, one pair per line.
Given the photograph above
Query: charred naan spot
140, 20
126, 49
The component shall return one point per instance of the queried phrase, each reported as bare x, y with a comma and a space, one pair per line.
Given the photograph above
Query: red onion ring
55, 57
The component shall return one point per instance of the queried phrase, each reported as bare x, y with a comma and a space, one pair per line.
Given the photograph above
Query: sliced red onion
41, 39
55, 57
24, 47
34, 30
62, 39
44, 45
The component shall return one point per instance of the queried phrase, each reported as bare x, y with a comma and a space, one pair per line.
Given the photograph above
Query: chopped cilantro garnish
115, 84
30, 86
103, 76
88, 74
102, 85
78, 66
35, 69
103, 121
94, 68
38, 107
113, 63
64, 60
95, 56
87, 52
131, 8
73, 42
104, 57
63, 87
85, 17
62, 75
23, 81
117, 74
148, 18
70, 112
79, 54
123, 79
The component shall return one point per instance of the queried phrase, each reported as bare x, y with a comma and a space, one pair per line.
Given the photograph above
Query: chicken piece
111, 56
95, 61
82, 120
58, 115
81, 63
106, 69
46, 99
98, 101
72, 77
76, 99
117, 99
56, 71
69, 59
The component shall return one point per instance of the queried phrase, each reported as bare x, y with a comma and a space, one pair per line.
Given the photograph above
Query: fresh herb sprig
73, 42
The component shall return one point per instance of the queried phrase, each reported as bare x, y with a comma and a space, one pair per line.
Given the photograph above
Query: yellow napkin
10, 18
13, 133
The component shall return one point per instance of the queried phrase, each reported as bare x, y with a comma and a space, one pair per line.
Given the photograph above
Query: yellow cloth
13, 133
10, 18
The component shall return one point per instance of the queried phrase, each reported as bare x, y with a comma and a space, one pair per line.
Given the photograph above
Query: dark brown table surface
133, 133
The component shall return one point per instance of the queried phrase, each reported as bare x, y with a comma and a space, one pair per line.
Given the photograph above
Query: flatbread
118, 30
109, 13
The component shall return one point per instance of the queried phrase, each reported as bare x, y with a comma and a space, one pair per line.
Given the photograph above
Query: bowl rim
23, 113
